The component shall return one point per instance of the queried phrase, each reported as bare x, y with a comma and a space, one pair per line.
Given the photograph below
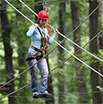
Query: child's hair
38, 21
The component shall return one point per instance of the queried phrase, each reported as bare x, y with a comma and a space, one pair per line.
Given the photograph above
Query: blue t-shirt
35, 35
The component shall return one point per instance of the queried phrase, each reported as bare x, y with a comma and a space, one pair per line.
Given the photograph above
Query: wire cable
15, 91
28, 85
64, 35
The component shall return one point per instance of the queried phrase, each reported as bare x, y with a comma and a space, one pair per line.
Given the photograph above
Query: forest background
71, 82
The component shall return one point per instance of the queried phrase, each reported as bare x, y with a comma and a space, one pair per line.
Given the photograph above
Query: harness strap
34, 56
43, 39
38, 50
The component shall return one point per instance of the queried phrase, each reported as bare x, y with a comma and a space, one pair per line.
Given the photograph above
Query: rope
30, 83
64, 35
77, 50
73, 42
82, 48
15, 91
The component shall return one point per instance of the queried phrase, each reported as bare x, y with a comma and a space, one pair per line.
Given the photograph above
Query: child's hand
36, 25
55, 31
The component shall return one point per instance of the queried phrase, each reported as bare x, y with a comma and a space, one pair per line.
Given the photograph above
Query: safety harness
44, 40
44, 45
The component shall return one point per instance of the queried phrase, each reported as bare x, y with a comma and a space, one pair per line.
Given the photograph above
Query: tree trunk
50, 86
22, 52
94, 47
101, 43
38, 7
77, 39
101, 25
6, 30
61, 76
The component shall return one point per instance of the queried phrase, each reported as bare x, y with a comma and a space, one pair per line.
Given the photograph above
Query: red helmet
43, 15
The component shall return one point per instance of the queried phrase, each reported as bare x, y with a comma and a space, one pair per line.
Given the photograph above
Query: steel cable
69, 35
